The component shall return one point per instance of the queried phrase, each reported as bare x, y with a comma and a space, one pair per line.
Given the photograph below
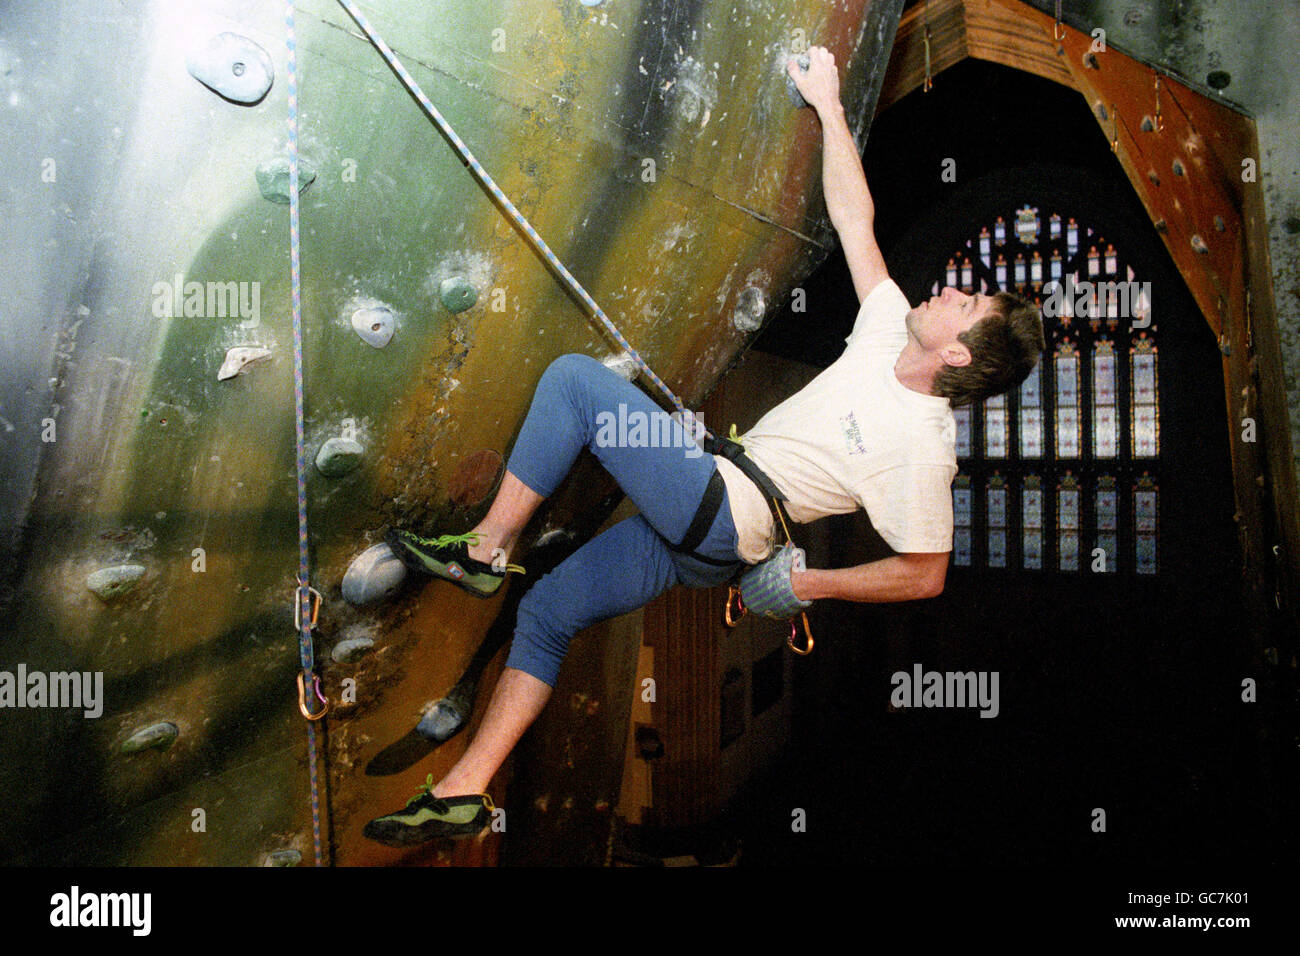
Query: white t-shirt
855, 436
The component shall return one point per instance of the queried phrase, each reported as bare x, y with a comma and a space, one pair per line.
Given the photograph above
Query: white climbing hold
233, 66
354, 642
338, 456
374, 574
750, 308
239, 358
158, 736
622, 365
375, 324
108, 583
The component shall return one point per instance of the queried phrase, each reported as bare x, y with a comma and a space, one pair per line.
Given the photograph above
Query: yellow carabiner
733, 592
302, 699
808, 644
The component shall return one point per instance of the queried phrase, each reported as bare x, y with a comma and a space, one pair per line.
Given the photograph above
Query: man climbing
874, 430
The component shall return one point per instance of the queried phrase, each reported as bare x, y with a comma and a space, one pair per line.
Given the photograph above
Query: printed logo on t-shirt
852, 434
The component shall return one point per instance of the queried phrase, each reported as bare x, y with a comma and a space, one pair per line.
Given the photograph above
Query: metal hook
1114, 133
314, 597
733, 592
807, 631
1160, 123
929, 84
1057, 31
302, 699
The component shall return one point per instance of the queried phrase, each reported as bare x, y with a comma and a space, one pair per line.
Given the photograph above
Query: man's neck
916, 368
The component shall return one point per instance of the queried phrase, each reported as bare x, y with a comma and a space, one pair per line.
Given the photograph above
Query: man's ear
955, 355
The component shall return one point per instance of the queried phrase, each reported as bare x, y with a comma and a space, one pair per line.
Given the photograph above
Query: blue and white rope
540, 244
306, 652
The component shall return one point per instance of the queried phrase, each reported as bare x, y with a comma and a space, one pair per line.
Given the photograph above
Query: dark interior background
1117, 692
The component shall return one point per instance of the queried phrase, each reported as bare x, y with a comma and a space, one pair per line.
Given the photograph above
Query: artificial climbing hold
750, 307
375, 324
447, 716
158, 736
108, 583
795, 96
374, 574
273, 178
283, 858
232, 66
622, 365
338, 456
239, 358
352, 646
457, 294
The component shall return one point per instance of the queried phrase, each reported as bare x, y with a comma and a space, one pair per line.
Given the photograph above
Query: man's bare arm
903, 577
844, 185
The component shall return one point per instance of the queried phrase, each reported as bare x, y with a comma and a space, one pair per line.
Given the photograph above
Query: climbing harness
727, 447
306, 598
733, 589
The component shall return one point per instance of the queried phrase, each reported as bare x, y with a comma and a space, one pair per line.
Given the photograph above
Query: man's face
936, 322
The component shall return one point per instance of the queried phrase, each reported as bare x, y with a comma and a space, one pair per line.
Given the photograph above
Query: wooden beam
1000, 34
906, 71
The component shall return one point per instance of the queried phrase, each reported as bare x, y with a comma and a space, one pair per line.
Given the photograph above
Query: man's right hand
820, 85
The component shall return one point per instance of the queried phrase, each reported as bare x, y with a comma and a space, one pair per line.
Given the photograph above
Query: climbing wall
149, 510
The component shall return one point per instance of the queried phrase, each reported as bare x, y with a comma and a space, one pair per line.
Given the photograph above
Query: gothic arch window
1062, 474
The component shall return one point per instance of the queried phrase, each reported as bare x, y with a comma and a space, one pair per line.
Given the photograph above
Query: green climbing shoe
426, 817
447, 557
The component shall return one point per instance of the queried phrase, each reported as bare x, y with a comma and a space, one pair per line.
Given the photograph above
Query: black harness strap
703, 520
734, 452
713, 494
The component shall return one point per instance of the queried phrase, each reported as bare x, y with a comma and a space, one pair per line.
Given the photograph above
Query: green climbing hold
338, 456
273, 178
457, 294
108, 583
283, 858
154, 737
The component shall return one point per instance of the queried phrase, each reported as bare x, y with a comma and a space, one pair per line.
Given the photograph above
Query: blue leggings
576, 405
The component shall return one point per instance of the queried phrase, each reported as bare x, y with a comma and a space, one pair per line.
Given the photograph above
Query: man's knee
571, 366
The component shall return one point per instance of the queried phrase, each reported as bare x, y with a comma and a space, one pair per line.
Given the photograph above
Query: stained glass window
1031, 511
963, 416
1086, 422
997, 521
1146, 415
1031, 415
1145, 523
1067, 400
1067, 523
1107, 520
961, 519
995, 427
1105, 418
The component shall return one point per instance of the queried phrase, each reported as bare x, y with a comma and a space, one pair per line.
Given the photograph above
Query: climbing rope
467, 158
538, 242
306, 598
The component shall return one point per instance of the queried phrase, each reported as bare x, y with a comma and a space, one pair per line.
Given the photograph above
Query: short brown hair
1004, 347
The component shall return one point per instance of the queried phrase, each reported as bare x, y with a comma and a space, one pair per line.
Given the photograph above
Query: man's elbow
928, 581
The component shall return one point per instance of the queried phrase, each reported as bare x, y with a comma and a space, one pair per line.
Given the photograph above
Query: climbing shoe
448, 558
426, 817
